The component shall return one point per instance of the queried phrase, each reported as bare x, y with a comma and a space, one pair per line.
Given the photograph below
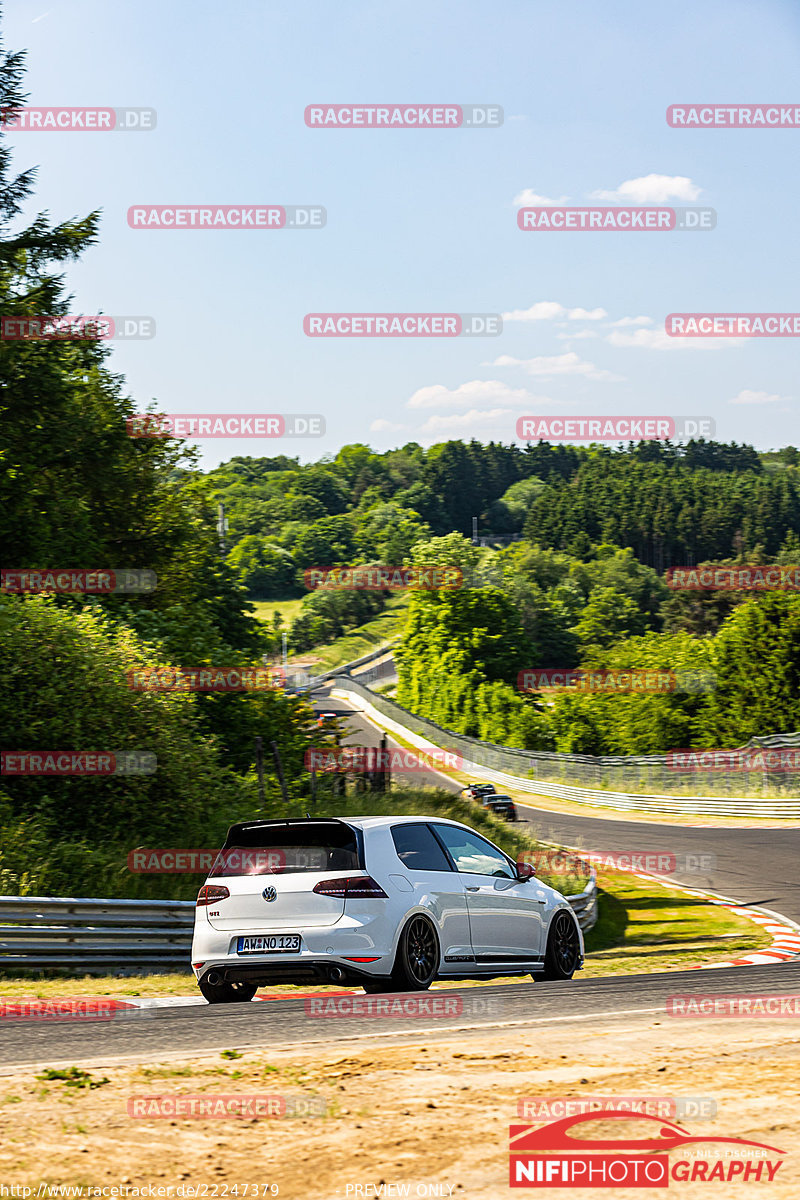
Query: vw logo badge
270, 893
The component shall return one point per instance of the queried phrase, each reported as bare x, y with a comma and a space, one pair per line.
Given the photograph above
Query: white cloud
658, 339
585, 314
548, 310
624, 321
568, 363
543, 310
477, 391
459, 422
529, 198
746, 396
652, 189
381, 426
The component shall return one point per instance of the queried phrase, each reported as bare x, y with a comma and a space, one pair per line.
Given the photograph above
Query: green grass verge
377, 632
265, 610
644, 927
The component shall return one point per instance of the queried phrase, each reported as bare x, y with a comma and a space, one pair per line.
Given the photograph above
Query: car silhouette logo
555, 1136
270, 893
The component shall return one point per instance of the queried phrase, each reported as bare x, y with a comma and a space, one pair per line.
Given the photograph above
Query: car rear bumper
308, 970
325, 955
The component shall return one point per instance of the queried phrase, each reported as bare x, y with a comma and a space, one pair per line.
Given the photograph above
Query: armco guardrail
88, 935
584, 904
655, 787
302, 680
85, 936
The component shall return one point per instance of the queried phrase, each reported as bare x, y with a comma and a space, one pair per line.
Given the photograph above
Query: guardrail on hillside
95, 936
110, 937
302, 679
584, 904
645, 782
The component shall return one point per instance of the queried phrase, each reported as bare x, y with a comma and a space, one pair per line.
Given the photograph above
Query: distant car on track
502, 806
326, 718
476, 790
391, 903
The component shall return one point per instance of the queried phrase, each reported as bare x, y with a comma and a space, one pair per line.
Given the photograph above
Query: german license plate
273, 943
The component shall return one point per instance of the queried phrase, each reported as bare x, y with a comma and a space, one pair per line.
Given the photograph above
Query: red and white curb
784, 933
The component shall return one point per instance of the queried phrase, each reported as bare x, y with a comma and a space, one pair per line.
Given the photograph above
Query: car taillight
351, 887
211, 893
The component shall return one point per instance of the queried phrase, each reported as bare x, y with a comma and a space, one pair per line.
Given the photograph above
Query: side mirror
525, 870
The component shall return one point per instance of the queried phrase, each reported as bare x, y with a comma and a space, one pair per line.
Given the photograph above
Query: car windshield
280, 849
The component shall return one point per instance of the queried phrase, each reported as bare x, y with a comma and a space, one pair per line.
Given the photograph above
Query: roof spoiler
243, 826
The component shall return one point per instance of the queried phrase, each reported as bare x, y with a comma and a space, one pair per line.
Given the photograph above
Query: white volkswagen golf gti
390, 903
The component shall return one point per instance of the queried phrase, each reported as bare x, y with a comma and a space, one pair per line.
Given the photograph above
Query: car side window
418, 849
472, 854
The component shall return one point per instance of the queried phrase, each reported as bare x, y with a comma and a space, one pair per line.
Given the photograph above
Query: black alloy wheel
417, 956
563, 948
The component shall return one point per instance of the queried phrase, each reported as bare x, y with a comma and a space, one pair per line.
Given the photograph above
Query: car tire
417, 961
563, 948
227, 993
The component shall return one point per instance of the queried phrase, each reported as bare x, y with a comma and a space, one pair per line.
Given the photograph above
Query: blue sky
424, 221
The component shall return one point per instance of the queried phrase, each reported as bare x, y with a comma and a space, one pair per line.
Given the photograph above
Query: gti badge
270, 893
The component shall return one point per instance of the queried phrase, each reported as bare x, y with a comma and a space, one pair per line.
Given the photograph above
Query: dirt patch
410, 1115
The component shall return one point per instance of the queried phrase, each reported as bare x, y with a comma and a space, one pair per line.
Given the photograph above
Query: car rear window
418, 849
283, 849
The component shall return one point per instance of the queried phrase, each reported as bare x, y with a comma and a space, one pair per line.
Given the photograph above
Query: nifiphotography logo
555, 1155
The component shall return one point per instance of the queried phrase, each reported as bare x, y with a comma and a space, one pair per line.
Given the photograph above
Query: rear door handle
471, 889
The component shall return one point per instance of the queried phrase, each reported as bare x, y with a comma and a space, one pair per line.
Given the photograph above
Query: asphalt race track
149, 1035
